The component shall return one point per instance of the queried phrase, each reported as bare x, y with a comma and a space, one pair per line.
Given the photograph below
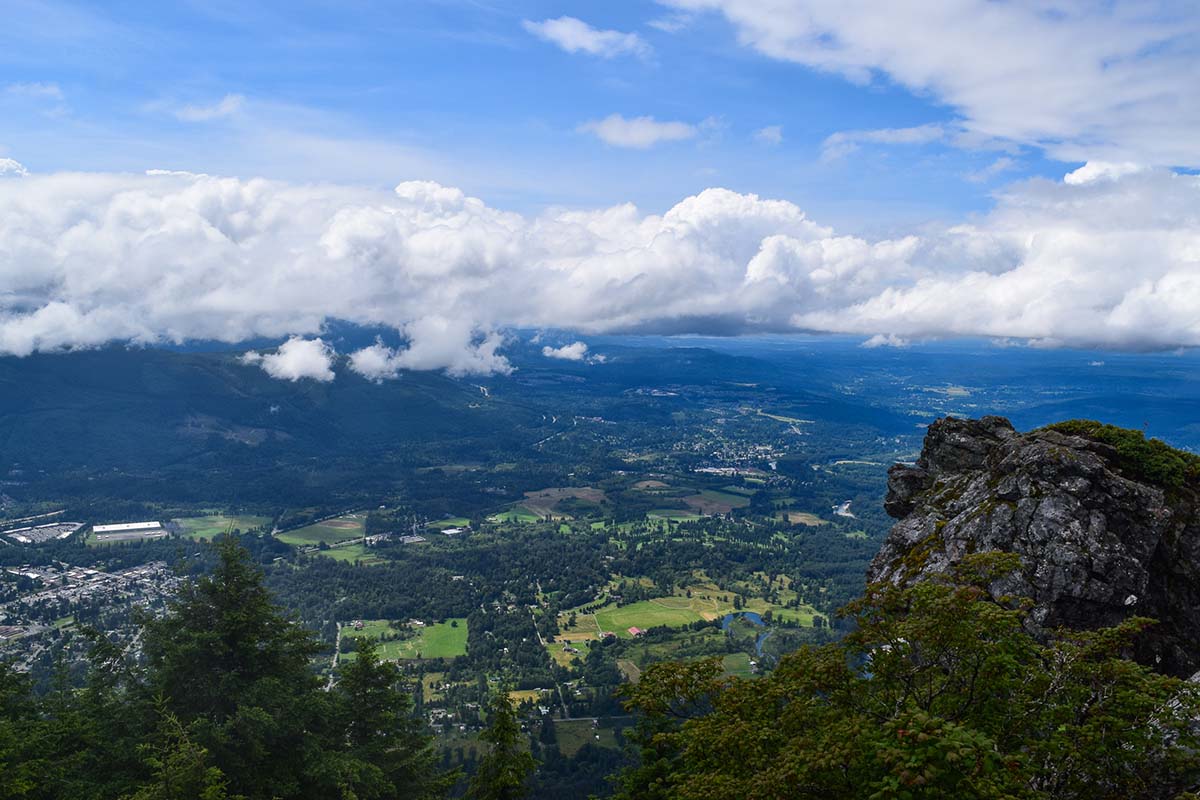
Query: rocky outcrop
1098, 542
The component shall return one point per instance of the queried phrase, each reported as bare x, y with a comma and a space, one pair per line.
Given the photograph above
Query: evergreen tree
397, 759
504, 772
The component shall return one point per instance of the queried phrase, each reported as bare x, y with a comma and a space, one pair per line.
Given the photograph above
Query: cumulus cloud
295, 359
87, 259
1102, 171
575, 351
1114, 81
772, 135
376, 363
637, 132
12, 169
576, 36
227, 106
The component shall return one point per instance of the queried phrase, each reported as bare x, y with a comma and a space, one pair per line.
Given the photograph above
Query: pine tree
504, 772
381, 732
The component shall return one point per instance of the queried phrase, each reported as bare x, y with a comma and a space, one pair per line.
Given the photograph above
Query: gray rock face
1097, 547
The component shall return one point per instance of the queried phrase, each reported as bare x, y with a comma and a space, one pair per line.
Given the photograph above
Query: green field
450, 522
329, 531
515, 514
440, 640
737, 664
706, 603
673, 514
573, 734
646, 614
350, 553
210, 526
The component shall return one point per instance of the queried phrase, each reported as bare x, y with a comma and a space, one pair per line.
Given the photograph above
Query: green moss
1149, 460
913, 561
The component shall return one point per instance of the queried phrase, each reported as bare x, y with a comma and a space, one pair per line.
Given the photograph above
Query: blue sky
462, 93
1022, 171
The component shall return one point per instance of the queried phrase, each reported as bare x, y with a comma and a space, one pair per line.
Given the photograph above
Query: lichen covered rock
1099, 544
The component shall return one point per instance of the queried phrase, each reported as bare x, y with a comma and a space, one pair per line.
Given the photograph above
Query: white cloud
44, 90
885, 340
843, 143
575, 351
227, 106
455, 345
295, 359
1102, 171
1112, 81
376, 363
997, 167
576, 36
87, 259
770, 135
637, 132
12, 169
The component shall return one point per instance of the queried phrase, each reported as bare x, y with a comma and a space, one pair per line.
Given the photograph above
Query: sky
904, 171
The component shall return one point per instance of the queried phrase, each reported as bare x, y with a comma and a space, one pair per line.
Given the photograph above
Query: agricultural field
707, 602
441, 640
549, 502
672, 514
208, 527
672, 611
711, 501
350, 553
449, 522
802, 518
517, 513
330, 531
573, 734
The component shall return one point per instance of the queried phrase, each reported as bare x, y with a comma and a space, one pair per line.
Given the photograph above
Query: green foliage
226, 707
503, 773
938, 693
1151, 460
181, 768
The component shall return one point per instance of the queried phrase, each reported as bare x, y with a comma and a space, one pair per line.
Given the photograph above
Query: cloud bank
1109, 257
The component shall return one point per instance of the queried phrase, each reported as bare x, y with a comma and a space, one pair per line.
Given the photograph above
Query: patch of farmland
711, 501
803, 518
210, 526
441, 640
544, 502
329, 531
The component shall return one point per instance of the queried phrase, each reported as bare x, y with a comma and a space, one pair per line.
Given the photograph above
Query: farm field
208, 527
449, 522
350, 553
440, 640
737, 664
802, 518
330, 531
711, 501
706, 603
517, 513
673, 514
575, 733
545, 502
